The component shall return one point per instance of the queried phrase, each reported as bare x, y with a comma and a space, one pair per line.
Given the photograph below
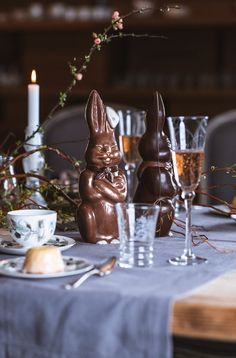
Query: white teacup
32, 227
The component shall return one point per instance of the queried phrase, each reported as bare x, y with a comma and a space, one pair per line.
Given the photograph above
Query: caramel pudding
43, 260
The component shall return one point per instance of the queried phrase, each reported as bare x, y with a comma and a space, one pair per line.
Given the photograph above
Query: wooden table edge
209, 312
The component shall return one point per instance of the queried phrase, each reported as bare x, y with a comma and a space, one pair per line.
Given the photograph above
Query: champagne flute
131, 128
187, 136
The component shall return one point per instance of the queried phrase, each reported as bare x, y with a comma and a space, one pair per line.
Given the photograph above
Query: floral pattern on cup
22, 230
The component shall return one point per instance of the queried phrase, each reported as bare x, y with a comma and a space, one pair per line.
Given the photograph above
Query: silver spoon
103, 269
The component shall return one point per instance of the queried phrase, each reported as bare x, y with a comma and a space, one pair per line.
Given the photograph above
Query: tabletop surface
205, 310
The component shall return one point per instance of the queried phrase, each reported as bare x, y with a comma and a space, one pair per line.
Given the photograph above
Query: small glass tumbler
136, 226
8, 184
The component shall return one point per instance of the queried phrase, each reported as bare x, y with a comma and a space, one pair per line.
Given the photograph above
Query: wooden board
209, 312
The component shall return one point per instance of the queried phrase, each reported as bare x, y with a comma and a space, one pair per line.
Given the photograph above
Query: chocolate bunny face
103, 154
102, 149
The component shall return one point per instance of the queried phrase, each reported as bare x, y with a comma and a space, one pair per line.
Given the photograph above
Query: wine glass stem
130, 179
188, 199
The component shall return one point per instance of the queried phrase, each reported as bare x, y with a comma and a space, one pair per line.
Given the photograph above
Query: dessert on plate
43, 260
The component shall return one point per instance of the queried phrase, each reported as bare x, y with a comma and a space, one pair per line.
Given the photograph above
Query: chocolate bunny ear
156, 114
96, 115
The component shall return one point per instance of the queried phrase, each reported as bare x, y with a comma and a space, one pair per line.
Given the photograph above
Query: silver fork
102, 269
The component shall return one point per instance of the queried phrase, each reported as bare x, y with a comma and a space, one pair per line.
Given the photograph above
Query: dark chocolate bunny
102, 184
155, 172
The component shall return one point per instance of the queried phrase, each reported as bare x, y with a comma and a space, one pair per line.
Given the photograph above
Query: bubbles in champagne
188, 168
129, 148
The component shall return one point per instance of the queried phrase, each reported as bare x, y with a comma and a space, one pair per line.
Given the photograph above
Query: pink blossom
120, 25
79, 76
97, 41
115, 15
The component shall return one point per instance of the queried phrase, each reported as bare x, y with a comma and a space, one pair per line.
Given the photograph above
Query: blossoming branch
114, 30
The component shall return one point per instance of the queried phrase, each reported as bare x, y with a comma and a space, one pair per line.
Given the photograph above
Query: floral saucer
73, 266
8, 246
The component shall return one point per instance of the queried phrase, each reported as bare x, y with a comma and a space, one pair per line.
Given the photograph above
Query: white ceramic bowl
32, 227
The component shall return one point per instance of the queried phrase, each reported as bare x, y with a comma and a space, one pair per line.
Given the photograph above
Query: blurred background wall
194, 68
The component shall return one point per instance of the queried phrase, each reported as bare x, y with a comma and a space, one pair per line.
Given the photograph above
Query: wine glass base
185, 260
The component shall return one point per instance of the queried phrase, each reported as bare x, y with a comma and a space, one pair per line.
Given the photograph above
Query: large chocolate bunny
102, 184
155, 172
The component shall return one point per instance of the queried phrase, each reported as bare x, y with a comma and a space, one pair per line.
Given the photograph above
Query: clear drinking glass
137, 226
7, 185
187, 136
131, 129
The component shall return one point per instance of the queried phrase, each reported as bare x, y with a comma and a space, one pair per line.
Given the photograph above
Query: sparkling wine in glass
129, 146
131, 129
187, 136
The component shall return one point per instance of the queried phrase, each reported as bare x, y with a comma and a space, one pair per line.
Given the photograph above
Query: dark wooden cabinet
194, 68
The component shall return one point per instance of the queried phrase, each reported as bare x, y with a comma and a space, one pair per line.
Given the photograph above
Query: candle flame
33, 76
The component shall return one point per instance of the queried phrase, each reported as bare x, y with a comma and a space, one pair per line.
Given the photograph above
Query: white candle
33, 104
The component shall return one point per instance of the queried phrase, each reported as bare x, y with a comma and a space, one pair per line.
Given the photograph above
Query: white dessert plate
73, 266
8, 246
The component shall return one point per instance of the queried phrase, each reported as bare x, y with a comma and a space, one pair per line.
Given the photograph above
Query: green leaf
62, 99
73, 70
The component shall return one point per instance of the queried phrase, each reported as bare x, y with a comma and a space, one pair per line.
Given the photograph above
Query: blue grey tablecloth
125, 314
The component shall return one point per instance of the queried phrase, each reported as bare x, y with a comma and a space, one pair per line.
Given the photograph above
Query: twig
21, 156
103, 38
44, 179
